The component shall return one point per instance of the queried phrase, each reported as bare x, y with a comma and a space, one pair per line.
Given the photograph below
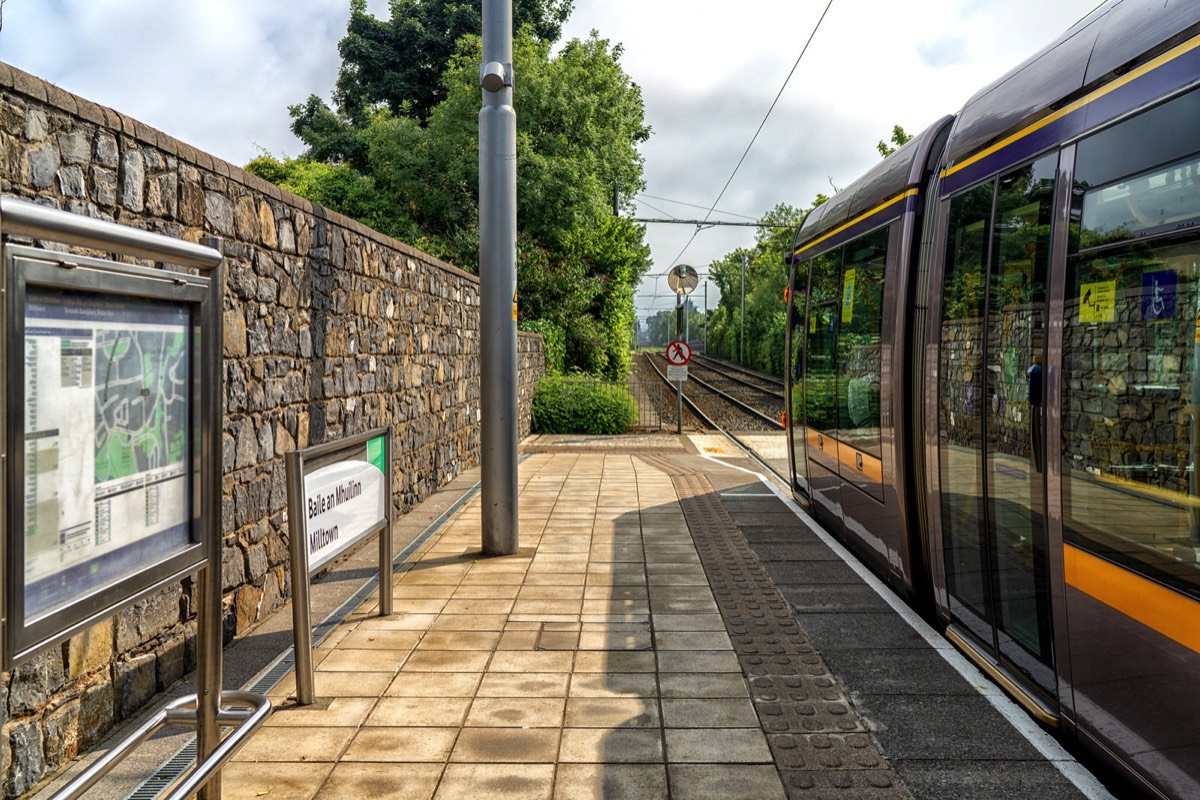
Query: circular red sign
679, 353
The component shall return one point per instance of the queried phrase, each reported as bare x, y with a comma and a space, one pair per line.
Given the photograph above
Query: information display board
102, 433
345, 500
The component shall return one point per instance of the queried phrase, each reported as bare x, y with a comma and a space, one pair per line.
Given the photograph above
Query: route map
108, 393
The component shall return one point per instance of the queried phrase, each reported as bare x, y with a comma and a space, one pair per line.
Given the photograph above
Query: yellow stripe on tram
858, 219
1070, 108
1172, 614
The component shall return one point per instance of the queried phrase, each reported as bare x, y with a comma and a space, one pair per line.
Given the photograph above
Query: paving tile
363, 660
400, 621
615, 640
422, 591
703, 684
434, 684
328, 712
615, 661
698, 661
484, 591
524, 684
614, 684
419, 711
692, 640
496, 782
459, 640
376, 639
402, 745
375, 782
339, 684
516, 712
531, 661
518, 640
447, 661
507, 745
247, 781
606, 746
611, 712
688, 622
728, 782
308, 744
709, 713
470, 622
717, 746
486, 606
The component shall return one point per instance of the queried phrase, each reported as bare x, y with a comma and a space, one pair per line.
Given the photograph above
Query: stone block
133, 179
147, 618
136, 681
71, 182
256, 561
247, 444
104, 186
218, 213
37, 125
233, 568
34, 682
91, 650
95, 714
246, 607
43, 164
28, 758
171, 661
61, 742
235, 333
75, 148
266, 442
106, 152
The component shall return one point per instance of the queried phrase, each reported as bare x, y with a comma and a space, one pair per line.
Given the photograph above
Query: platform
673, 626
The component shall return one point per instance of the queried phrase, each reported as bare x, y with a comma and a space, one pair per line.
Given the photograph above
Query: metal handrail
21, 218
182, 711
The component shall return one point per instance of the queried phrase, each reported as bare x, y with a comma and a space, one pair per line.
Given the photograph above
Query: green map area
141, 401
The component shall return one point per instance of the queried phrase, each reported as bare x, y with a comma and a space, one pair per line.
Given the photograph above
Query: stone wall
330, 329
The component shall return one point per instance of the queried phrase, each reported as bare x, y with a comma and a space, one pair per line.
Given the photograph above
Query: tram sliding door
797, 307
991, 417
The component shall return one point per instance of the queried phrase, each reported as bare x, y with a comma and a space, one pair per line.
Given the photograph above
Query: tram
994, 382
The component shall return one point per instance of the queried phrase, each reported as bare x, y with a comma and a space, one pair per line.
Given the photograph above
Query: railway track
719, 400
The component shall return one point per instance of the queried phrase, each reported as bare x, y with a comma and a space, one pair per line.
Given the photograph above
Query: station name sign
343, 502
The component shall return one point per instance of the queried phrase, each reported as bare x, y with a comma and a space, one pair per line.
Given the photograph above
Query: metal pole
301, 611
678, 384
498, 283
706, 317
210, 628
742, 332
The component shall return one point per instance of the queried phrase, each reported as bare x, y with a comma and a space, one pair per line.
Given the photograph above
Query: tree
397, 64
580, 119
899, 138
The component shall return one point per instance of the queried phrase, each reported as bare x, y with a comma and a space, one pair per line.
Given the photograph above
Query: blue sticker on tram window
1158, 294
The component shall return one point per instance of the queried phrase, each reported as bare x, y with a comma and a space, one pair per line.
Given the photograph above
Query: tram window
860, 317
820, 395
1162, 135
1131, 392
1158, 201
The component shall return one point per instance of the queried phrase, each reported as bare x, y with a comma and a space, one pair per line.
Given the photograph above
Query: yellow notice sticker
1098, 302
848, 296
1198, 327
514, 305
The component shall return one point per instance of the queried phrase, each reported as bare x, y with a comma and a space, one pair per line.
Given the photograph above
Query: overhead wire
754, 138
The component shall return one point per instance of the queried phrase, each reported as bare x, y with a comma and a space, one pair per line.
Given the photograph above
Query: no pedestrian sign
678, 353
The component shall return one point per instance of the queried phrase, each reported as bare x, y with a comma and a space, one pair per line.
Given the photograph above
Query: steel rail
722, 366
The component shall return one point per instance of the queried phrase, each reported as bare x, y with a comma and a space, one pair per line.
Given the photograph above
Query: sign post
338, 494
683, 279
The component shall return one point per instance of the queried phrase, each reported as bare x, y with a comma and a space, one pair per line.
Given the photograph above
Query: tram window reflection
1131, 393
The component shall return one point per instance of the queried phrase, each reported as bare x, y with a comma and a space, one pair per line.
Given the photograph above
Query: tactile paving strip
820, 743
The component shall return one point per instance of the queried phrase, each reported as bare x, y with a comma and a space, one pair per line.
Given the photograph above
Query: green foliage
555, 342
899, 138
398, 63
567, 405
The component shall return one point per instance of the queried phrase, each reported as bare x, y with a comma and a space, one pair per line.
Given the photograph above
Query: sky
220, 74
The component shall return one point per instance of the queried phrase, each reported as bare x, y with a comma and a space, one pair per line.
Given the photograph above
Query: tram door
991, 418
797, 306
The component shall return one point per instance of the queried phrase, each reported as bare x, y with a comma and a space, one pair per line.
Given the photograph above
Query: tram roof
1102, 45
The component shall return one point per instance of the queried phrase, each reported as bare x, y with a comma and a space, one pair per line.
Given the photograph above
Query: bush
565, 405
554, 340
